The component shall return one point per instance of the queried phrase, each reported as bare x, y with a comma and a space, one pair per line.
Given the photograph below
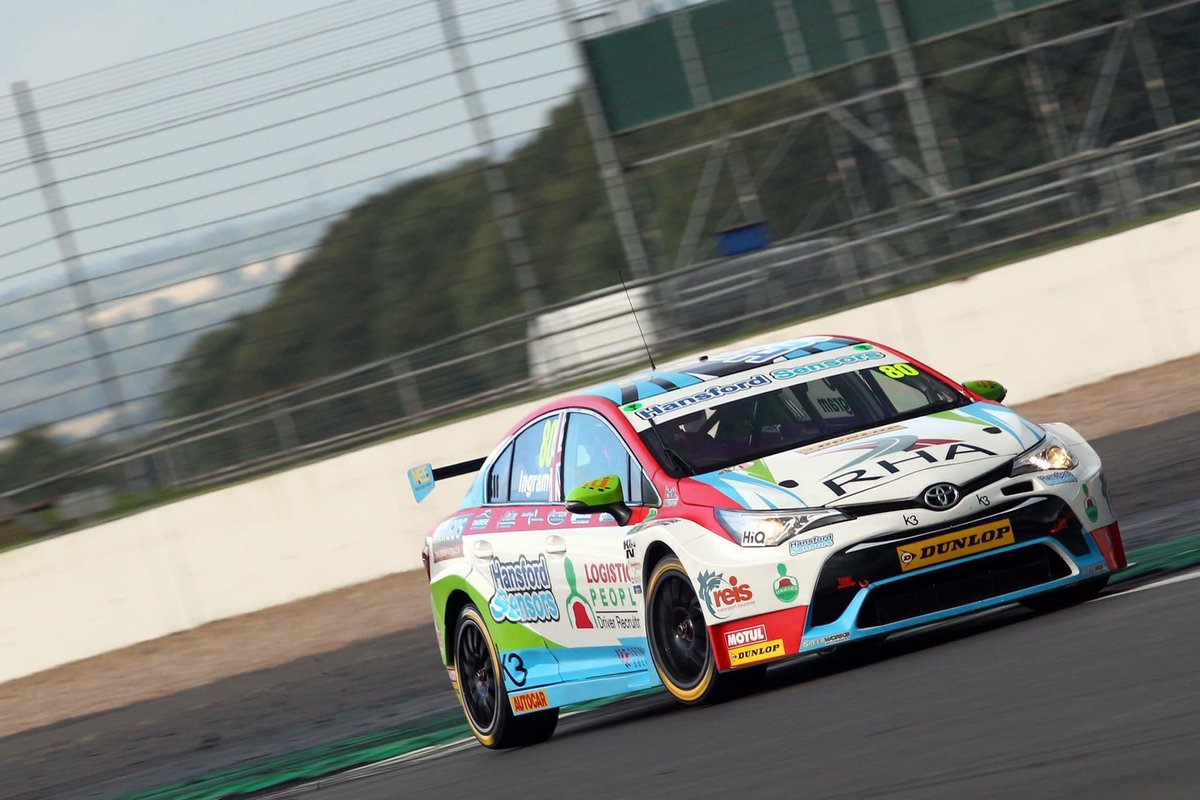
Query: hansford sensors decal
712, 393
523, 592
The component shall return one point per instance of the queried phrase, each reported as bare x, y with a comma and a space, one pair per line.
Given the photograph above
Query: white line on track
374, 768
1187, 576
439, 750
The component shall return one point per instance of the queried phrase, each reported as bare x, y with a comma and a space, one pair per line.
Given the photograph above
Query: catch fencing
831, 170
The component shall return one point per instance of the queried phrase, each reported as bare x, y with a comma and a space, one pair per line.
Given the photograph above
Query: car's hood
895, 461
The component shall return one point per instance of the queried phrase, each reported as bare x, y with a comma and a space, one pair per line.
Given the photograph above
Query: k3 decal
514, 669
936, 452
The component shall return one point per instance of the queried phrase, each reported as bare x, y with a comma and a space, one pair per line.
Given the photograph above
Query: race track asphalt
1063, 702
1100, 701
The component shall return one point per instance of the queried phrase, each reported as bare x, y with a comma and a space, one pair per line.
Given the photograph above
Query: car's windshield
726, 434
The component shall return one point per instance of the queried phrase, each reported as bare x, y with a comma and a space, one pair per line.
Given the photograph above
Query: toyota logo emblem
941, 496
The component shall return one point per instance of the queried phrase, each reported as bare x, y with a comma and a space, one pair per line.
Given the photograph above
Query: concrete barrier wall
1040, 327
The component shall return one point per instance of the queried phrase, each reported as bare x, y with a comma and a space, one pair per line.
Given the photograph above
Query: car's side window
497, 481
592, 450
532, 460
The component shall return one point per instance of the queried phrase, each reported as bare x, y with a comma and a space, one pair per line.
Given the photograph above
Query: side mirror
989, 389
600, 496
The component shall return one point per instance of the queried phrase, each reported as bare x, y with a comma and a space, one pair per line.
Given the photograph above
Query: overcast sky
141, 195
47, 41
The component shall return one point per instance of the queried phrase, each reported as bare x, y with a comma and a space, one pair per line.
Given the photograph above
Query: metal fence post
503, 206
64, 236
612, 173
406, 387
285, 427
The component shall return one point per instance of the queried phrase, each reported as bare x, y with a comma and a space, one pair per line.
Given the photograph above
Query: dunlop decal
751, 653
955, 545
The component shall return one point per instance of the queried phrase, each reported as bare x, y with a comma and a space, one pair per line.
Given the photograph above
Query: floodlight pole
1147, 58
64, 237
611, 170
503, 206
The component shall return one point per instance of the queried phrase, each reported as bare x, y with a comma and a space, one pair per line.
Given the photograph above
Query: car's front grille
850, 570
882, 507
960, 584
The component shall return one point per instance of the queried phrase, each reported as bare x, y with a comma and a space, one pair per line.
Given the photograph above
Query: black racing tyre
679, 645
482, 693
1066, 596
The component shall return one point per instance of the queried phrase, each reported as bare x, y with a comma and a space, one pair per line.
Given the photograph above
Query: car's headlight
769, 528
1050, 453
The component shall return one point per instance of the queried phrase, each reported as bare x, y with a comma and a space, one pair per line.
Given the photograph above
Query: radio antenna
636, 321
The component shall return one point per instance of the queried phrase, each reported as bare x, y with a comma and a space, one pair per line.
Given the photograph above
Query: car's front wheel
679, 644
482, 692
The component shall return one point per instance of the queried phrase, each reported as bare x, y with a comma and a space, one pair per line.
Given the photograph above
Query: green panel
639, 75
741, 46
870, 27
822, 38
927, 19
1029, 5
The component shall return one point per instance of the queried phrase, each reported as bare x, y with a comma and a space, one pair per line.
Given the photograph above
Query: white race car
693, 524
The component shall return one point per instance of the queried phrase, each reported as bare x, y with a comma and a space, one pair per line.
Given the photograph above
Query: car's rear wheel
482, 692
1067, 596
679, 643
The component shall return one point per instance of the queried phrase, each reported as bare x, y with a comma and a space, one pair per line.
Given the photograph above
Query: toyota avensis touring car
691, 525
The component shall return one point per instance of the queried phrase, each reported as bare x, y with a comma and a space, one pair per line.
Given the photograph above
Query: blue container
743, 238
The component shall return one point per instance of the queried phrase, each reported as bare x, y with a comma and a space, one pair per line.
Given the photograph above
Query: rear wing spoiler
423, 477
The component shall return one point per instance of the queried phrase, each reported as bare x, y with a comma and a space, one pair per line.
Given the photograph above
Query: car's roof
705, 368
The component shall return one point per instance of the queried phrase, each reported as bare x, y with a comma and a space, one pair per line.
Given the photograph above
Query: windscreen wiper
671, 454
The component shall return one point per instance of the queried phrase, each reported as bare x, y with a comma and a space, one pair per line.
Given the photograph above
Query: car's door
512, 548
602, 620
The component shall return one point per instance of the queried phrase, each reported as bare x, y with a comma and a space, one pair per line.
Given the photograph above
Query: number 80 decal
898, 371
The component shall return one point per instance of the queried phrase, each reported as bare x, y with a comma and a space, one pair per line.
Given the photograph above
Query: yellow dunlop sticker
748, 654
954, 545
